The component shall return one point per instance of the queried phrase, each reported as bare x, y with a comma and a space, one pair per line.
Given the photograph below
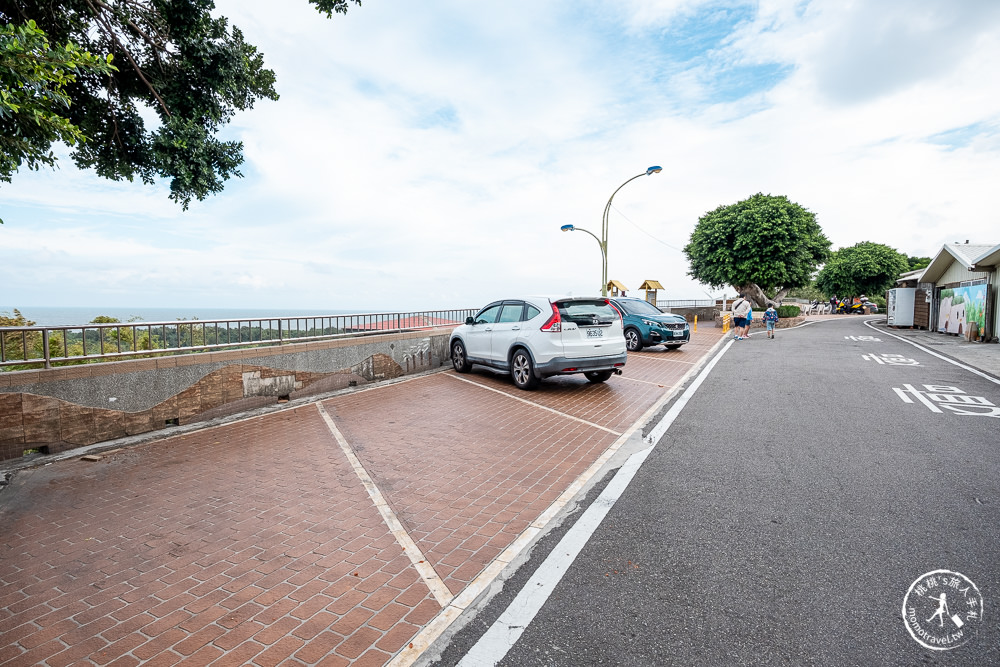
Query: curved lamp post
603, 240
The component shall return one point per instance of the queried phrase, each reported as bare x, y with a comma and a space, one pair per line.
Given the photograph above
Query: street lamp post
604, 252
603, 240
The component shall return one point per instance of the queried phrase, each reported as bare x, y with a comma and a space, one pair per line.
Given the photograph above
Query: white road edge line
505, 631
430, 632
533, 404
427, 572
976, 371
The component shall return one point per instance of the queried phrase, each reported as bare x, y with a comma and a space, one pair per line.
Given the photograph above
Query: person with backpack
770, 319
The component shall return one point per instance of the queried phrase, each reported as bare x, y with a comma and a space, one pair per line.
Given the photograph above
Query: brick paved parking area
331, 533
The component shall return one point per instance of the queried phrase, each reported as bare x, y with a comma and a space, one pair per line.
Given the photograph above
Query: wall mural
961, 306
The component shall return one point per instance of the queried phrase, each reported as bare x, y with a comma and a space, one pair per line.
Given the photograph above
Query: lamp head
654, 170
567, 228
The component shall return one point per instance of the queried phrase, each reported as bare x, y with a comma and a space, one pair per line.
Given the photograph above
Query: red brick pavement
256, 542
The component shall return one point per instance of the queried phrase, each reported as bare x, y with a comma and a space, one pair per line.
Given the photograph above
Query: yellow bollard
696, 324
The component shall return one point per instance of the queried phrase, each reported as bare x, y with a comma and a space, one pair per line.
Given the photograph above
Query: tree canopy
764, 245
865, 268
34, 76
138, 88
917, 262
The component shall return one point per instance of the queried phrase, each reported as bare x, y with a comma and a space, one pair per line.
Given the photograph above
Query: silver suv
537, 337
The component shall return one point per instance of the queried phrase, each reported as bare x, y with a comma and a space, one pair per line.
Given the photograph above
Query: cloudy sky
425, 154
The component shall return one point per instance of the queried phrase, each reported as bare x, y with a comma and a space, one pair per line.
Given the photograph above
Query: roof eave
988, 259
942, 260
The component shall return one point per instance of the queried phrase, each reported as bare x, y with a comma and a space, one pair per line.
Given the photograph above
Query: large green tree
865, 268
763, 246
179, 76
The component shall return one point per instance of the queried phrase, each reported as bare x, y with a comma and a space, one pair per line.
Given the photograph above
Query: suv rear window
590, 312
639, 307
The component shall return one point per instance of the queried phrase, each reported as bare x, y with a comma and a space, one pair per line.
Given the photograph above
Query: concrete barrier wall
704, 313
758, 321
61, 408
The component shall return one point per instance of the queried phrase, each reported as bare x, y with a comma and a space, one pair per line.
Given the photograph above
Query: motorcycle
862, 307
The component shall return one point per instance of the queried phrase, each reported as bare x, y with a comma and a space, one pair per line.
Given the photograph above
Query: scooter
860, 308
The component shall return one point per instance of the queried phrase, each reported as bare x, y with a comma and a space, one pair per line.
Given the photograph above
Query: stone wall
704, 313
61, 408
758, 322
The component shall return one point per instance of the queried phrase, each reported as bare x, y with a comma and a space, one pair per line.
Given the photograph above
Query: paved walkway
347, 531
350, 530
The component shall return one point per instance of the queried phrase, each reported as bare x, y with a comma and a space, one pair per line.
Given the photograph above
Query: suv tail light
554, 323
621, 315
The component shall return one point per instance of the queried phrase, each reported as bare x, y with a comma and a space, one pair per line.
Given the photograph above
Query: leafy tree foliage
865, 268
764, 244
179, 76
917, 263
34, 77
809, 293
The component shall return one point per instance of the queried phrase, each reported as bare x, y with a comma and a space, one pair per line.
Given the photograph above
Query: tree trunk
754, 294
757, 297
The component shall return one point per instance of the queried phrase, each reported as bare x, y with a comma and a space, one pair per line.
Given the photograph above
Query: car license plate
595, 333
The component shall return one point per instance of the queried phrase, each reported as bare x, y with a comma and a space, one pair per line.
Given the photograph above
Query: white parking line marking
533, 404
674, 361
433, 630
505, 631
427, 572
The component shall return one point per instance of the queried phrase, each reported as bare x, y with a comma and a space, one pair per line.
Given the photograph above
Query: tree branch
110, 31
157, 46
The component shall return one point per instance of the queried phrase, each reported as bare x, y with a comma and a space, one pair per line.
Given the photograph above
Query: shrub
788, 311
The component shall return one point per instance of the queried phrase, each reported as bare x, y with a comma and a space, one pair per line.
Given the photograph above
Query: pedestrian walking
833, 304
770, 319
741, 307
749, 321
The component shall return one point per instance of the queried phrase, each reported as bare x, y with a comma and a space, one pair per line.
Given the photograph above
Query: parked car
538, 337
645, 324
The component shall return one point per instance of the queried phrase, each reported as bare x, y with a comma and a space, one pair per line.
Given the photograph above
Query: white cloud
425, 154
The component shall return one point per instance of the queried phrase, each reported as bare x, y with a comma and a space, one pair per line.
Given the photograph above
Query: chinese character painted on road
936, 397
866, 339
890, 359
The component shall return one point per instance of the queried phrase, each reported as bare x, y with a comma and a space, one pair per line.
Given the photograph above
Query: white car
537, 337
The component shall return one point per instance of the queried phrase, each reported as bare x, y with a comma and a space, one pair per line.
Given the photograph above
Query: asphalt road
805, 486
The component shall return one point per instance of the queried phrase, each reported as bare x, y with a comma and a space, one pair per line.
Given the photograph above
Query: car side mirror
470, 320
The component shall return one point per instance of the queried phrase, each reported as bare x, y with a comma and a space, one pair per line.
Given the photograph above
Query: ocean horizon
51, 316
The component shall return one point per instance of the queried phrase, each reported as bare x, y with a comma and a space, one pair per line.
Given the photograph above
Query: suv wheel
522, 370
633, 341
598, 376
458, 359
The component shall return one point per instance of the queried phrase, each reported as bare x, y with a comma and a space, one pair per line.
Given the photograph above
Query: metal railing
686, 303
24, 348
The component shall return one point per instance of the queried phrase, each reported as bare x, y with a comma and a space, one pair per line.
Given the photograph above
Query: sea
48, 316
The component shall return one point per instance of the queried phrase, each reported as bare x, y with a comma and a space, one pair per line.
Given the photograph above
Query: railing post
45, 348
281, 340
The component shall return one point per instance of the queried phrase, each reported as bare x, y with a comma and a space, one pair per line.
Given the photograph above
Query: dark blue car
645, 324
